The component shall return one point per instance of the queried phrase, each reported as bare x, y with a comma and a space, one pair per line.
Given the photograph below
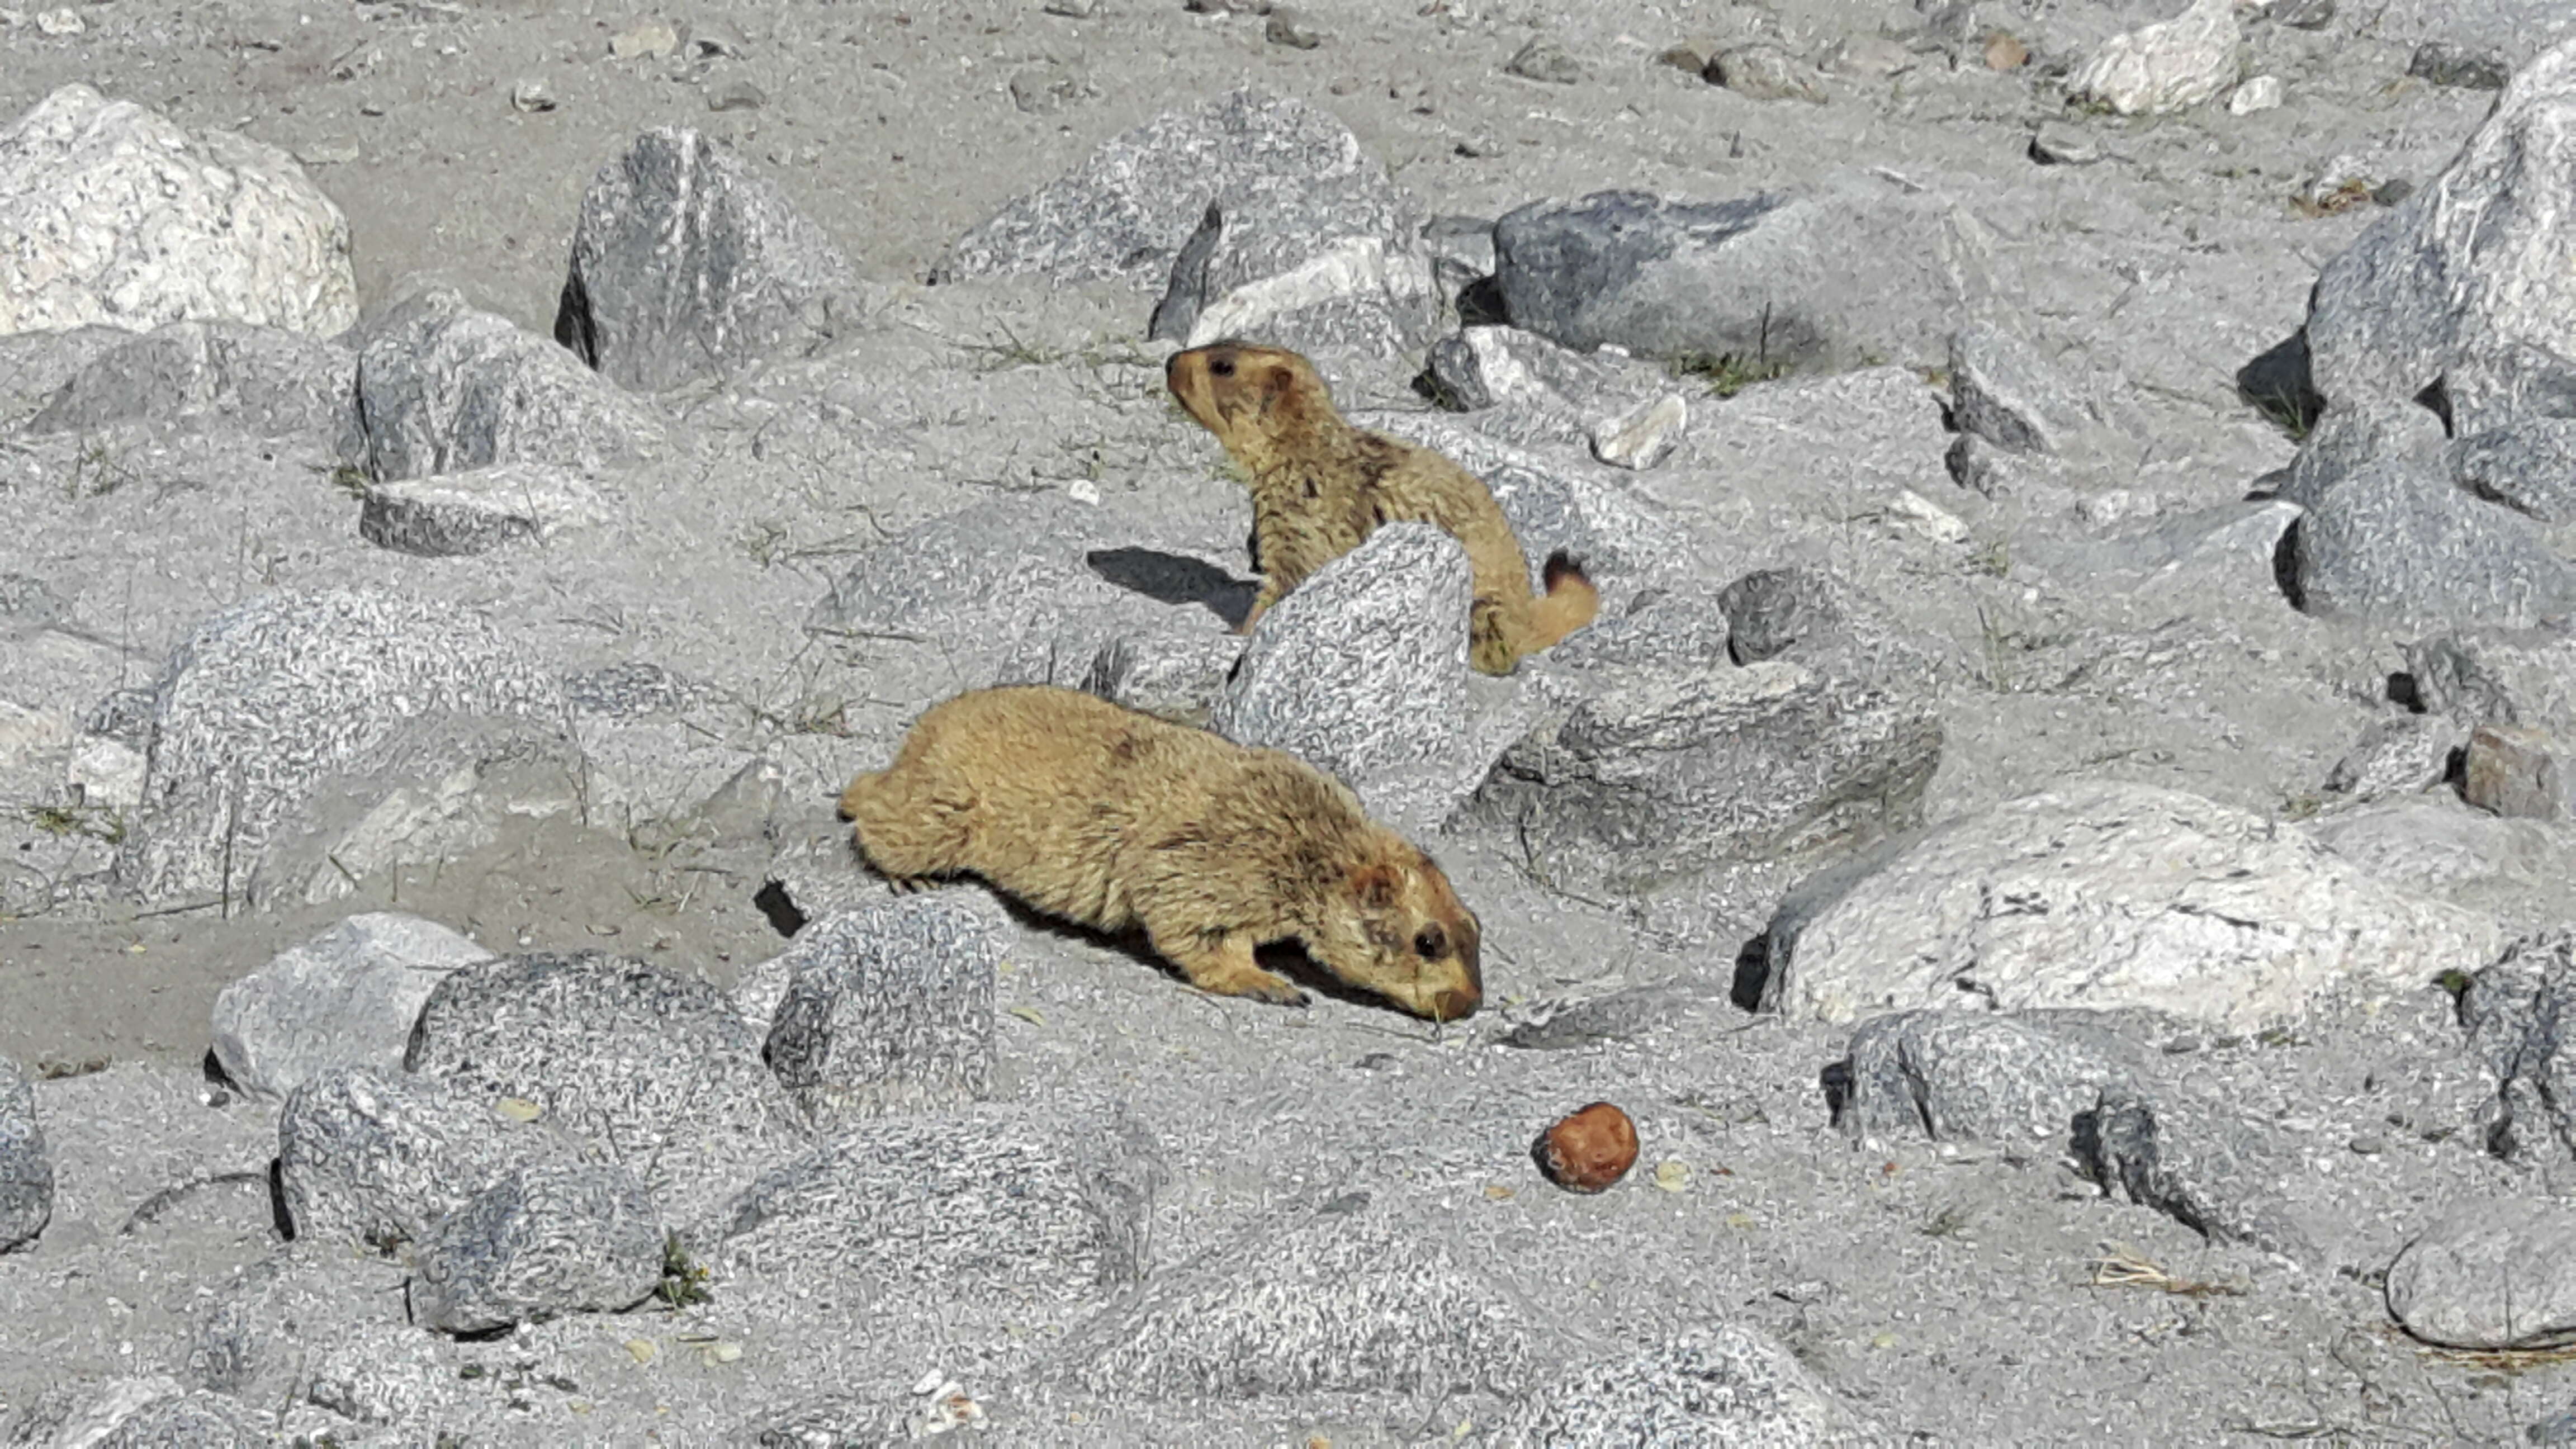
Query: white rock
66, 21
117, 216
2262, 93
2172, 66
107, 773
346, 998
1644, 435
2105, 894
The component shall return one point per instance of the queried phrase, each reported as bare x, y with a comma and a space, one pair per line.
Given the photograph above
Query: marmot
1100, 814
1320, 486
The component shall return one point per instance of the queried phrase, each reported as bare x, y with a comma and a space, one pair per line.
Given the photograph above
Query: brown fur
1102, 815
1320, 486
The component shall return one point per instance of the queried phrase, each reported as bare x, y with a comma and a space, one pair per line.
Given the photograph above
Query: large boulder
269, 702
123, 218
26, 1170
229, 376
1332, 269
2490, 1273
2395, 544
1852, 271
686, 261
660, 1070
1655, 775
2105, 894
477, 511
1127, 211
1361, 671
1709, 1387
346, 998
378, 1157
1950, 1075
549, 1239
2520, 1014
886, 1009
443, 388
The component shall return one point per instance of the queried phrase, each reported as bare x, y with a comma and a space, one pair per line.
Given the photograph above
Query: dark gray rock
454, 514
2215, 1172
887, 1009
1359, 1298
2529, 467
346, 998
2395, 544
2347, 439
2467, 268
1851, 272
989, 1204
2497, 676
199, 376
443, 388
1127, 210
378, 1157
2518, 1014
1361, 671
1659, 774
267, 702
1713, 1386
1950, 1075
549, 1239
687, 262
661, 1071
1333, 268
26, 1170
2445, 64
1810, 617
2490, 1273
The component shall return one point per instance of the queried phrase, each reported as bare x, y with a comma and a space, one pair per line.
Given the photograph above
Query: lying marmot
1112, 818
1320, 486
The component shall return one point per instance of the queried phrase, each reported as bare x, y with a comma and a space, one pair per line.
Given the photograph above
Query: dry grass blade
2124, 1267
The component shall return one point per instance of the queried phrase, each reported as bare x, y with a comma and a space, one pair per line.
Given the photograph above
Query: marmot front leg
1223, 966
1262, 599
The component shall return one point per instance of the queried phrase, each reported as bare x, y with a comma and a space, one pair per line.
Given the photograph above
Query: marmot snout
1320, 486
1112, 818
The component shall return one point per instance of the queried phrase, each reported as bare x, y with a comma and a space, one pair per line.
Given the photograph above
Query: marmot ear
1376, 886
1278, 385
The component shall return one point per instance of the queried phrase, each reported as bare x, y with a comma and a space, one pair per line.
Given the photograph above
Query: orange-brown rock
1589, 1149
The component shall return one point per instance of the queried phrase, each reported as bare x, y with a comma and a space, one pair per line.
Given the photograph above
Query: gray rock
2445, 64
1643, 436
889, 1009
453, 514
2529, 467
2490, 1273
268, 701
1127, 210
378, 1157
2347, 439
2105, 894
1949, 1075
2002, 390
2395, 544
1850, 272
2220, 1174
548, 1239
1361, 671
1710, 1387
1659, 627
2056, 143
2171, 66
2468, 267
1361, 1298
1629, 1015
1292, 28
1764, 73
2497, 676
1331, 267
443, 388
1810, 617
2401, 755
124, 218
1544, 60
36, 366
2494, 389
989, 1204
346, 998
26, 1169
314, 1321
193, 1420
2300, 14
661, 1071
213, 376
1462, 251
1659, 774
2513, 1012
687, 262
1172, 676
1549, 393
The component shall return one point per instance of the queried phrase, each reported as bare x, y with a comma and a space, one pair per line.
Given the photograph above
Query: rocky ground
2058, 838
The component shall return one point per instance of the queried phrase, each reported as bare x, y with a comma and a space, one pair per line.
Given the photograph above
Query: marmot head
1247, 395
1393, 925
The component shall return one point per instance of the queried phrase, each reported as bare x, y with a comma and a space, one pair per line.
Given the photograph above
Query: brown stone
2515, 771
2005, 51
1589, 1149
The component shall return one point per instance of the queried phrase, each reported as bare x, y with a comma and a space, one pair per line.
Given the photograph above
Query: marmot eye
1221, 366
1432, 944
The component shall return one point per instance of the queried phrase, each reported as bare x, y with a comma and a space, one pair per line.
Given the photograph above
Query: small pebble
1545, 60
2262, 93
59, 22
651, 40
2004, 51
2059, 145
1589, 1149
736, 94
531, 96
1292, 29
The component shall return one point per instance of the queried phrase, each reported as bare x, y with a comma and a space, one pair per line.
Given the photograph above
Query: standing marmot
1320, 486
1112, 818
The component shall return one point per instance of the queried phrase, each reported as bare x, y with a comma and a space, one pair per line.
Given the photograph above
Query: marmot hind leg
908, 833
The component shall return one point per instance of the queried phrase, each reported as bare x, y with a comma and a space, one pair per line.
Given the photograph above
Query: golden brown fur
1113, 818
1320, 486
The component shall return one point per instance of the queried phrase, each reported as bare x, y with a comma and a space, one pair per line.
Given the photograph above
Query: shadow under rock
1175, 579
